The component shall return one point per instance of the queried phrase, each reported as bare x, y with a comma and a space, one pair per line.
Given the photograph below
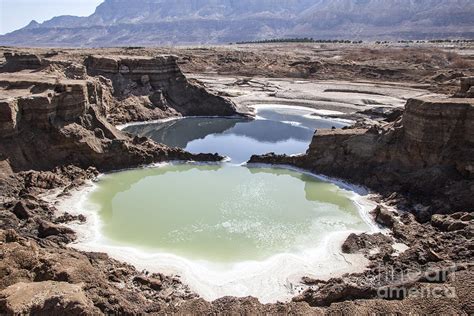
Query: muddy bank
338, 99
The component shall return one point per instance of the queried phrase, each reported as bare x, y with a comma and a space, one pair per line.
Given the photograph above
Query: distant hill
168, 22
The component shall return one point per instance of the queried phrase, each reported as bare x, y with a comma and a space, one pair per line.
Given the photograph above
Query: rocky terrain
159, 85
424, 66
158, 22
58, 109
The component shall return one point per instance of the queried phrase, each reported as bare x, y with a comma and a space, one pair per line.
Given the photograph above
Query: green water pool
222, 213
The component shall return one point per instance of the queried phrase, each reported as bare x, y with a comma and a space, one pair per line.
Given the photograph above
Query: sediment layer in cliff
153, 88
48, 121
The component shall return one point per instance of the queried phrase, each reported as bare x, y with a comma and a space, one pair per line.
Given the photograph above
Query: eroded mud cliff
154, 88
47, 120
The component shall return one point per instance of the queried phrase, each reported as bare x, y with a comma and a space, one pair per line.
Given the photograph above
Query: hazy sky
15, 14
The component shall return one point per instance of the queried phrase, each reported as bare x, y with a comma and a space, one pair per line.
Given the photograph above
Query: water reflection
178, 133
119, 182
302, 117
315, 190
283, 130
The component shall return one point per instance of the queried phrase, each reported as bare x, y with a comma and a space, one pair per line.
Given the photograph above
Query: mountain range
170, 22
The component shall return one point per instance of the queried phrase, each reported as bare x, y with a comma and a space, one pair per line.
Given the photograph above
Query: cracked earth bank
411, 146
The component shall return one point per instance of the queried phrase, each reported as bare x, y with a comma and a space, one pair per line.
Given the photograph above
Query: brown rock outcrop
153, 88
21, 210
467, 88
31, 100
455, 222
364, 242
46, 298
431, 133
46, 229
383, 216
21, 61
439, 132
56, 272
47, 122
152, 283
